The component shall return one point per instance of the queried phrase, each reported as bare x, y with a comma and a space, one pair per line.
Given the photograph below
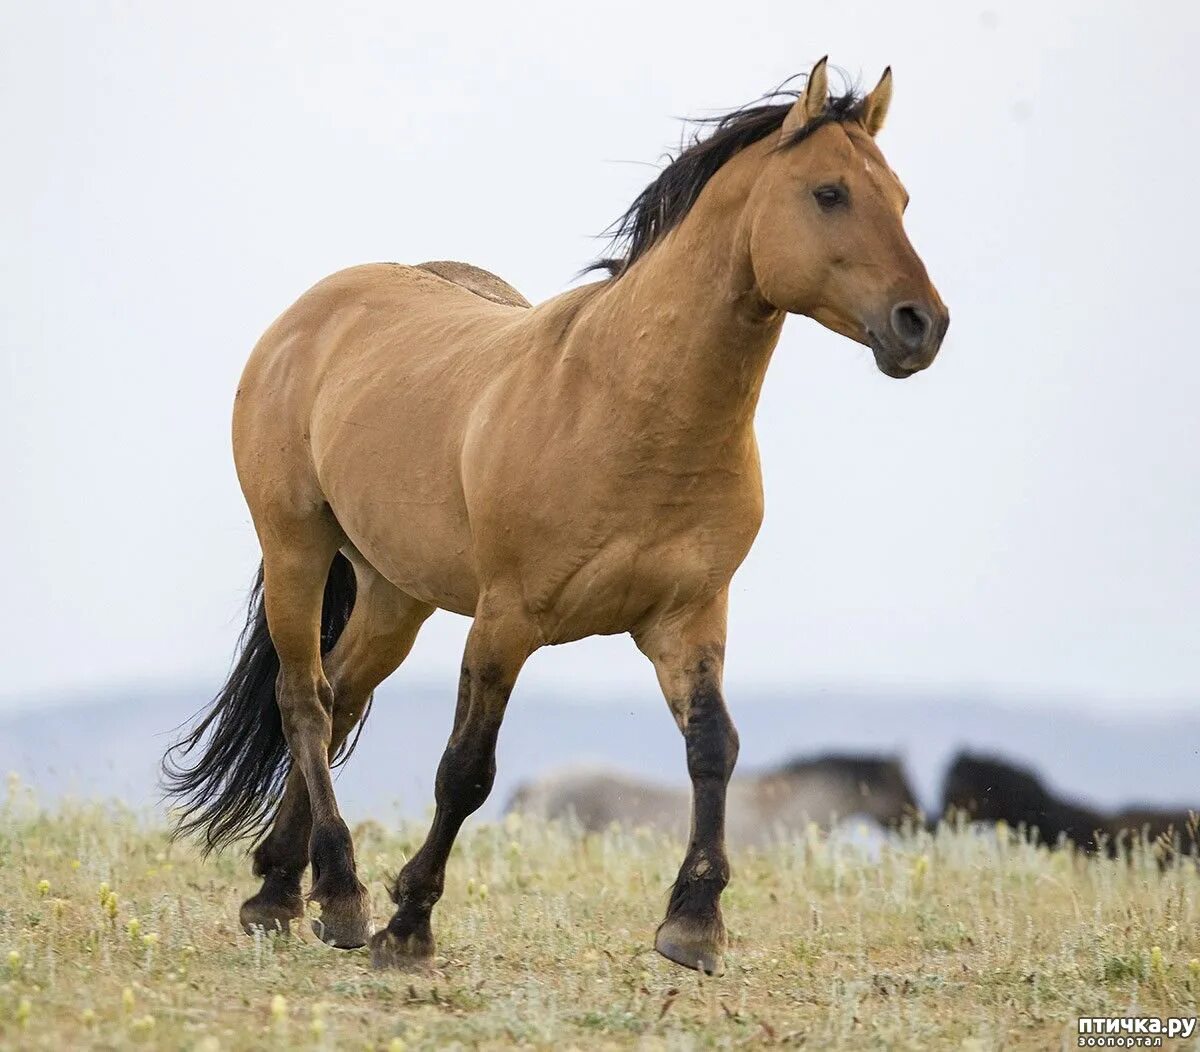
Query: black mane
663, 204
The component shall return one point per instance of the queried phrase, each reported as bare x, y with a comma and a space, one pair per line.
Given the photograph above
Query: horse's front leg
499, 642
688, 650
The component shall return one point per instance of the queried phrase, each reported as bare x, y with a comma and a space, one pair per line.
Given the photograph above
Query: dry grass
955, 941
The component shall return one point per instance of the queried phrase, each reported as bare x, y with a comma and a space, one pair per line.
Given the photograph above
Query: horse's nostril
911, 324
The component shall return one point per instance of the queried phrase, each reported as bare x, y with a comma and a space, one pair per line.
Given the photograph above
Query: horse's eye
829, 196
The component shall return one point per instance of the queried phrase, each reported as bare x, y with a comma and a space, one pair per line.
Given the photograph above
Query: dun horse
410, 438
759, 809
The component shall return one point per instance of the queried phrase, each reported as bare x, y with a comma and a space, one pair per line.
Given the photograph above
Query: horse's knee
467, 772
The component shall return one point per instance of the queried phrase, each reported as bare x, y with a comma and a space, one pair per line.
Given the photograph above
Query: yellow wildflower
317, 1026
920, 868
143, 1024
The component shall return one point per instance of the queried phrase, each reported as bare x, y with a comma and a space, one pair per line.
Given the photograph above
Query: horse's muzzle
909, 339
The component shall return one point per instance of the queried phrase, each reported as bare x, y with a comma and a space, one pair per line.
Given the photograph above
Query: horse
989, 789
413, 438
760, 810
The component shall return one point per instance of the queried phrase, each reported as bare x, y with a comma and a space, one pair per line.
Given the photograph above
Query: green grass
956, 941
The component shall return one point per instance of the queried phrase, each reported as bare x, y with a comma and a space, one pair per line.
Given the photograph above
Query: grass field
112, 936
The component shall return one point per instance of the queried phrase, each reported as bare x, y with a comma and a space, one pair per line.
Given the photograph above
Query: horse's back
357, 397
369, 314
348, 333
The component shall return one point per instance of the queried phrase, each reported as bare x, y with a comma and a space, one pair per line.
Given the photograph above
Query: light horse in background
413, 438
760, 810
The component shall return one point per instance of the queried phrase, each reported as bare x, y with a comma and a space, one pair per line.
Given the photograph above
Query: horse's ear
875, 106
812, 103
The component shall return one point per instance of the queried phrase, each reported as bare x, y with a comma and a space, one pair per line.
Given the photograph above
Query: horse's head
885, 793
990, 790
825, 223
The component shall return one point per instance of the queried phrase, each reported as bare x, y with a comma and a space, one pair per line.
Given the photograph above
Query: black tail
232, 789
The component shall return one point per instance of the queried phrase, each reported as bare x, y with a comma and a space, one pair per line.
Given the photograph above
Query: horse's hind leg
499, 642
377, 638
297, 554
281, 859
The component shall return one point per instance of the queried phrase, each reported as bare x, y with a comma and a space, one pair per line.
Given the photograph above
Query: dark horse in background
421, 438
988, 789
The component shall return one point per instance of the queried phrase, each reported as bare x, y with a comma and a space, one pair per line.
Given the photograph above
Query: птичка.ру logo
1132, 1031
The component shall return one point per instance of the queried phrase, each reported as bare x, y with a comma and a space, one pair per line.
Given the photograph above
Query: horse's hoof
694, 944
345, 920
408, 953
264, 913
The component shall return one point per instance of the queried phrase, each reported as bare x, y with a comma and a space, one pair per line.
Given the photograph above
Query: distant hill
109, 745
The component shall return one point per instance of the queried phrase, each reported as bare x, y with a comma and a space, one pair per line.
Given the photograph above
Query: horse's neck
684, 330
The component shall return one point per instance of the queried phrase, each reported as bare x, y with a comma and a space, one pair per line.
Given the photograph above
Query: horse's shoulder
477, 280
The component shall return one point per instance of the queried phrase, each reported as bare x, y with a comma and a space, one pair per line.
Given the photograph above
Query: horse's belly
442, 576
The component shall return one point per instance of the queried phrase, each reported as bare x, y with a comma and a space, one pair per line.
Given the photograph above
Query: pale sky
1022, 519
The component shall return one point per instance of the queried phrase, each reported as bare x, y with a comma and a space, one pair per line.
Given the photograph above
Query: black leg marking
464, 779
693, 933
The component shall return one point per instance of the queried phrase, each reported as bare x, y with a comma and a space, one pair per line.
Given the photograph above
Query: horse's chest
600, 528
604, 573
